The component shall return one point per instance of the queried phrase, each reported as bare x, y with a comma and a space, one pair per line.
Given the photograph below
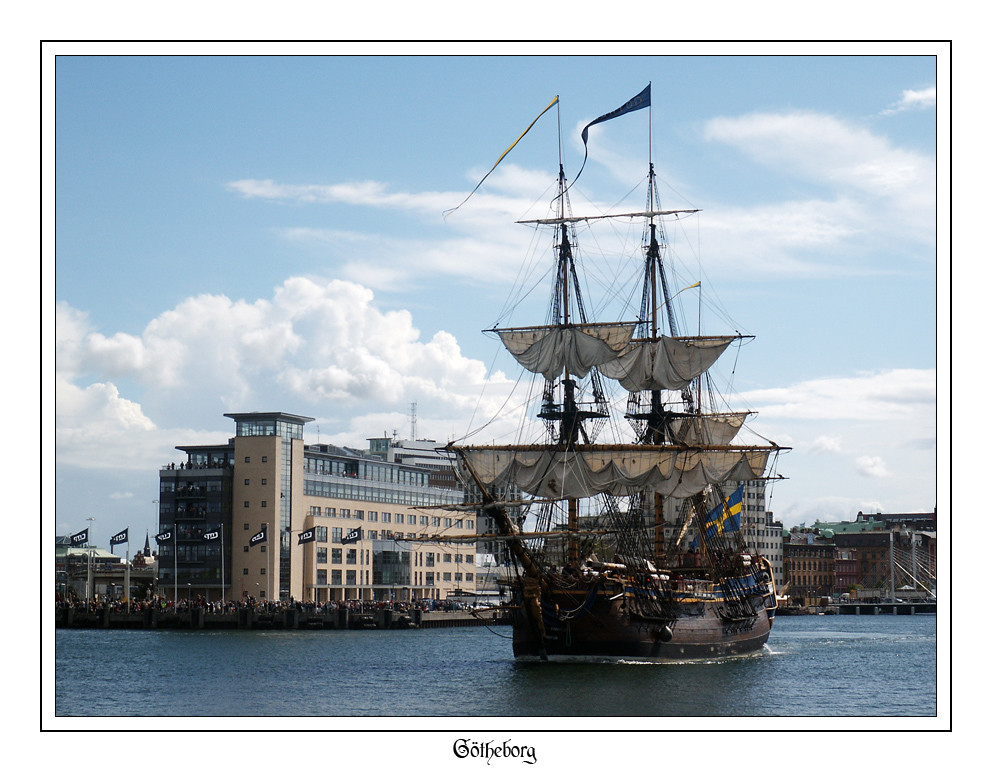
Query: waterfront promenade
282, 616
857, 609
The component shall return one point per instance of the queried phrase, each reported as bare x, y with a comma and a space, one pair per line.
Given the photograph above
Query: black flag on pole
119, 538
355, 534
258, 538
308, 535
212, 535
165, 536
80, 538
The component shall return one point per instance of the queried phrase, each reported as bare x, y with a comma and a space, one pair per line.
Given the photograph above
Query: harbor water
813, 666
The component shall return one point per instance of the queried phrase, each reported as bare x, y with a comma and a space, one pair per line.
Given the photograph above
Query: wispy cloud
863, 192
891, 395
914, 99
871, 191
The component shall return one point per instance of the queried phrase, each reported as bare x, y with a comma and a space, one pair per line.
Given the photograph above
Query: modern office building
270, 517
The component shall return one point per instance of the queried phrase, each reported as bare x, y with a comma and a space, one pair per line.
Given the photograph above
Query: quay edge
281, 619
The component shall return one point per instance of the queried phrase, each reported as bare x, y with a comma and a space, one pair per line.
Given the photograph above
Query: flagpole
223, 597
268, 569
90, 589
127, 577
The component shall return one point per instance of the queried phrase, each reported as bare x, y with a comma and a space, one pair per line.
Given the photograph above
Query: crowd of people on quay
163, 604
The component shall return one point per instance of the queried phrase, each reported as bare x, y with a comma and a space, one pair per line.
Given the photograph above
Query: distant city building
809, 564
866, 556
106, 572
312, 522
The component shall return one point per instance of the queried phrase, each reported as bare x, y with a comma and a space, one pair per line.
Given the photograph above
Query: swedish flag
725, 518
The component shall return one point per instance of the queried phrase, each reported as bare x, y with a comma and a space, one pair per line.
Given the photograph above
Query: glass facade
195, 497
369, 478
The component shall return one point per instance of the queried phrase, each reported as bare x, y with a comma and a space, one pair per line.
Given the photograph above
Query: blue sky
265, 233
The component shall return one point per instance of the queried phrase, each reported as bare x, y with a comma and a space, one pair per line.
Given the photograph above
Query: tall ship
622, 511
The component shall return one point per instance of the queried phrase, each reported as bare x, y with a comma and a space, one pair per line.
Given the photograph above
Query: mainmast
562, 408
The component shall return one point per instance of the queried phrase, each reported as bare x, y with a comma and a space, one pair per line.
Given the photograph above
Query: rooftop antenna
413, 420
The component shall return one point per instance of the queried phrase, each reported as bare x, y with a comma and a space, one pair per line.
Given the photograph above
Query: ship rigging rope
496, 414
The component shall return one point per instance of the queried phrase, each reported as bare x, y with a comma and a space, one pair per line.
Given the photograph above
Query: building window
336, 534
352, 557
336, 556
265, 504
321, 576
265, 459
321, 554
245, 570
264, 481
246, 505
247, 481
321, 532
247, 459
246, 526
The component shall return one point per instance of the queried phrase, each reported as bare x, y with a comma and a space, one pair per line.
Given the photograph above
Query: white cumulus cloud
871, 466
319, 348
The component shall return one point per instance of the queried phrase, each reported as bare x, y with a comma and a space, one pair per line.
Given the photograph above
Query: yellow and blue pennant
505, 153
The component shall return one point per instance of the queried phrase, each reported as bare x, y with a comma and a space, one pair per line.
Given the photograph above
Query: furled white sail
665, 363
591, 469
575, 348
711, 429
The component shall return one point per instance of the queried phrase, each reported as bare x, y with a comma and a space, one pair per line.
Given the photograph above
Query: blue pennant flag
726, 517
639, 102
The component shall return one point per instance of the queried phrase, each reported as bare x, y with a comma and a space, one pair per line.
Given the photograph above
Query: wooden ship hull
598, 623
